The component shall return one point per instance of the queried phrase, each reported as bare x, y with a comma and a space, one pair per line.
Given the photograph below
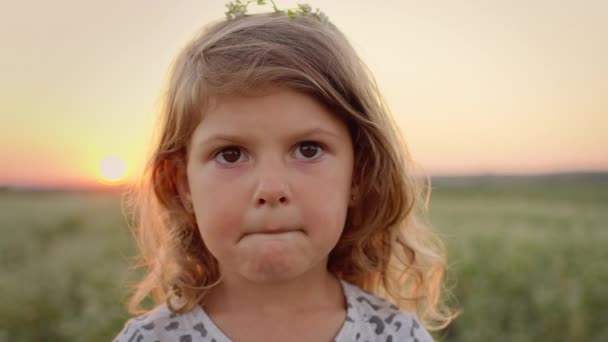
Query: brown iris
231, 155
309, 149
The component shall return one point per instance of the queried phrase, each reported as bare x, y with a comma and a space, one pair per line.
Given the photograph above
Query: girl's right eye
230, 155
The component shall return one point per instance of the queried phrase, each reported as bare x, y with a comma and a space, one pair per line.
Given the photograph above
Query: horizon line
23, 187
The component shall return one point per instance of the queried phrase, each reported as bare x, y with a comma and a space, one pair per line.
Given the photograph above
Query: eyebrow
239, 139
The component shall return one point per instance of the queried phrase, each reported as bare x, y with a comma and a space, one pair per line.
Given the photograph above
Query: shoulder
160, 324
374, 318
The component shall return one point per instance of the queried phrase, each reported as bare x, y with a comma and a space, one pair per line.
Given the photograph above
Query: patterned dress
368, 318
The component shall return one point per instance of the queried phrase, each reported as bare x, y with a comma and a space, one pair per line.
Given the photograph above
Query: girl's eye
309, 149
230, 155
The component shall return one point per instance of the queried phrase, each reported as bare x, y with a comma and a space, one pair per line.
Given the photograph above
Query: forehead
277, 110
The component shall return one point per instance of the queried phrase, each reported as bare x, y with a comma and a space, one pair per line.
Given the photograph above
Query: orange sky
477, 86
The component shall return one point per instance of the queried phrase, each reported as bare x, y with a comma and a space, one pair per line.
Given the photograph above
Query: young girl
279, 203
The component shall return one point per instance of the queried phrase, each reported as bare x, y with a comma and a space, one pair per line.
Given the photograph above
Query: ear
183, 189
354, 195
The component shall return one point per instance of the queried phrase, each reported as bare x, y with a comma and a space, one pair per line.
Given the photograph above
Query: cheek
326, 204
218, 211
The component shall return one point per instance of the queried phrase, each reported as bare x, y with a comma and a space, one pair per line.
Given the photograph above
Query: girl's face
270, 181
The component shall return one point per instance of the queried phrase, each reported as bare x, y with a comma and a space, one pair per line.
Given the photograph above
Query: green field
528, 260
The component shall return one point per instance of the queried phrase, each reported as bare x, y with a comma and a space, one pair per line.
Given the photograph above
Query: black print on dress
363, 299
415, 325
200, 327
398, 325
389, 319
135, 334
172, 326
127, 328
379, 324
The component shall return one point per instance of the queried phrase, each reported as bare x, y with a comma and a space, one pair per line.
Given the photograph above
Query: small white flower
305, 8
323, 17
239, 9
240, 12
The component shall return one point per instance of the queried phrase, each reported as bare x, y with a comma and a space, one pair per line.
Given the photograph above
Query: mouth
275, 231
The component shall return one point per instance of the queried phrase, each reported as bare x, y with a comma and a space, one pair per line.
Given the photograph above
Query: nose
271, 198
272, 189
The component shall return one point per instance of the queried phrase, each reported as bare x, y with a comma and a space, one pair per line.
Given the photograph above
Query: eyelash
319, 145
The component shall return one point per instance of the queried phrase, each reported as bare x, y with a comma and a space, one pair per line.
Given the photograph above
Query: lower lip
281, 232
275, 233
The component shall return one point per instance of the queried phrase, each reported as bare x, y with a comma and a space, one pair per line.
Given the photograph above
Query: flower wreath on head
238, 8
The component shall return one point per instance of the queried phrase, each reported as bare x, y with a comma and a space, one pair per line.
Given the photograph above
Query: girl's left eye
309, 149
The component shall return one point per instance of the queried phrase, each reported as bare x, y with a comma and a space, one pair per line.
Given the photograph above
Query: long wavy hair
387, 246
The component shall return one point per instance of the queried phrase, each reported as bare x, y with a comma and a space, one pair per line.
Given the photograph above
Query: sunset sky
477, 86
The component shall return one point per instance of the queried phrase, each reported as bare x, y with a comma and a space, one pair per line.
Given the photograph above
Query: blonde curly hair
387, 246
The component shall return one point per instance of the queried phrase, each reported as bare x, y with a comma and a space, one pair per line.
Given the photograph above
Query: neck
312, 291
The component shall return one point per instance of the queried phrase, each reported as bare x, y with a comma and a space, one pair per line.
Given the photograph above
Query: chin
269, 278
272, 273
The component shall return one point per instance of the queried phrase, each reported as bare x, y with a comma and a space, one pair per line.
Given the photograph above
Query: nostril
282, 200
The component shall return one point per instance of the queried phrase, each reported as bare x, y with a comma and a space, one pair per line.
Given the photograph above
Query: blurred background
503, 103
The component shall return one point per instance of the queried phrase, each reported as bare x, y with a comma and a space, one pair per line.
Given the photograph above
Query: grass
527, 261
63, 260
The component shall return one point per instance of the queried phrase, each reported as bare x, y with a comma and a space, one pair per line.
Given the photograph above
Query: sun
112, 169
